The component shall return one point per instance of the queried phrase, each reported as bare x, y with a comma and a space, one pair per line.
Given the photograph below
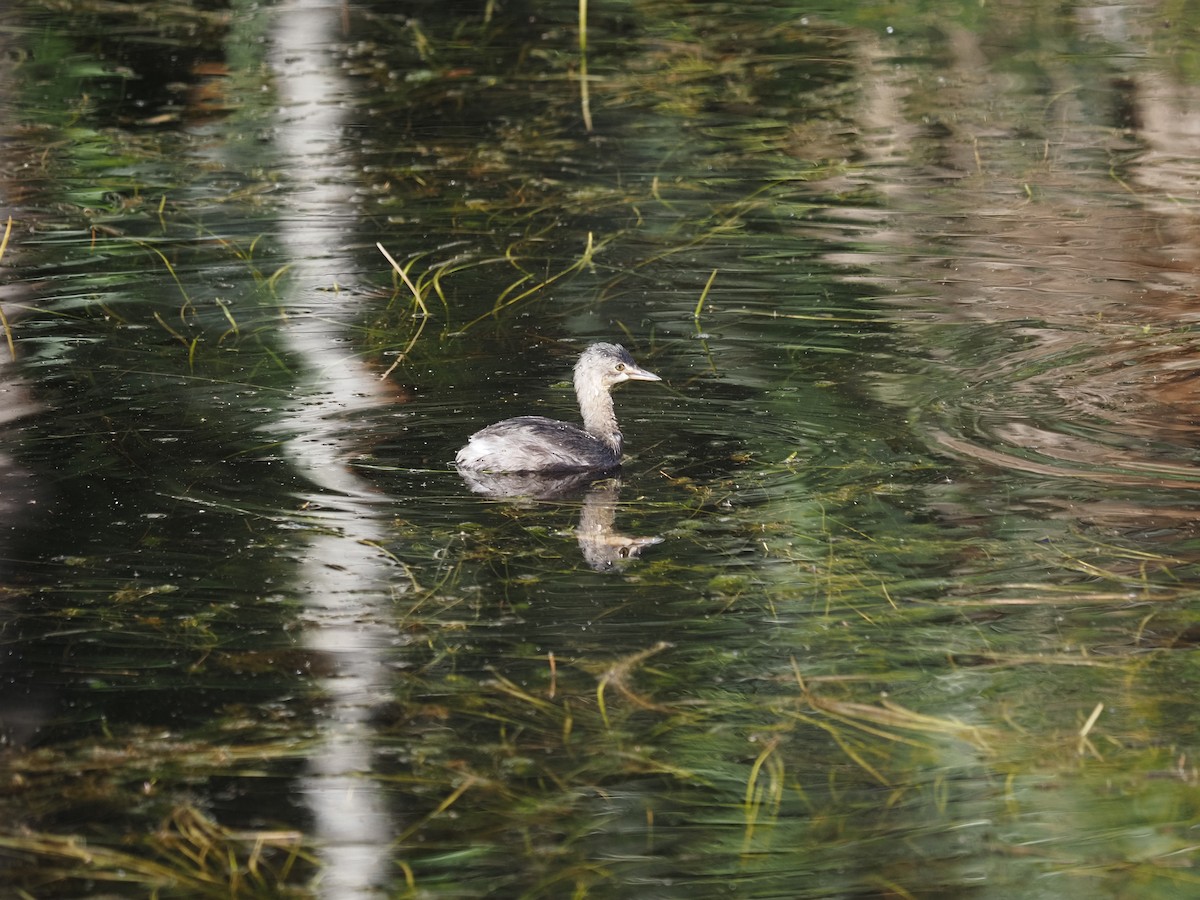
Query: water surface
892, 597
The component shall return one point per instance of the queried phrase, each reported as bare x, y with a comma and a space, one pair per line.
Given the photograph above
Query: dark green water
914, 612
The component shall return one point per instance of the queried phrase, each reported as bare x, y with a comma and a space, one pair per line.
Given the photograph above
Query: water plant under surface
893, 596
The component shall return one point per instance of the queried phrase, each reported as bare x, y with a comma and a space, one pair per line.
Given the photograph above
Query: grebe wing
535, 443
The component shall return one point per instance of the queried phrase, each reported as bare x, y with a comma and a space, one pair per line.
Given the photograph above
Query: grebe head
607, 365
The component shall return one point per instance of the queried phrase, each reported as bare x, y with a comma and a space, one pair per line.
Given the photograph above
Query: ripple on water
1109, 406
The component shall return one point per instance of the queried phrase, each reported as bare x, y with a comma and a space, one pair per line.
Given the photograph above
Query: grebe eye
620, 367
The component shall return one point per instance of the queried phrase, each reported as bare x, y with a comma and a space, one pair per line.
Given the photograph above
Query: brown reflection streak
1003, 460
1072, 229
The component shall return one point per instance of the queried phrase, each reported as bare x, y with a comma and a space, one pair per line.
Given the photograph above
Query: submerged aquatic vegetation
871, 653
188, 855
158, 839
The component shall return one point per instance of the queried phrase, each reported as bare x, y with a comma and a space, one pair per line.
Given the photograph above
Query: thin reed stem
584, 99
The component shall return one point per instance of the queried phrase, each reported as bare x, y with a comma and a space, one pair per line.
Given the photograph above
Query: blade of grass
3, 318
584, 98
417, 298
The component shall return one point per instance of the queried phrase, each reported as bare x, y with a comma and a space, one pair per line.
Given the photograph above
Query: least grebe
538, 444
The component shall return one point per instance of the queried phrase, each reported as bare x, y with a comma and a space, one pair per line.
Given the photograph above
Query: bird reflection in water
603, 547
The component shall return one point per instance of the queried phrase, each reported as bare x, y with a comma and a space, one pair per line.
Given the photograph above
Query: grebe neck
596, 405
